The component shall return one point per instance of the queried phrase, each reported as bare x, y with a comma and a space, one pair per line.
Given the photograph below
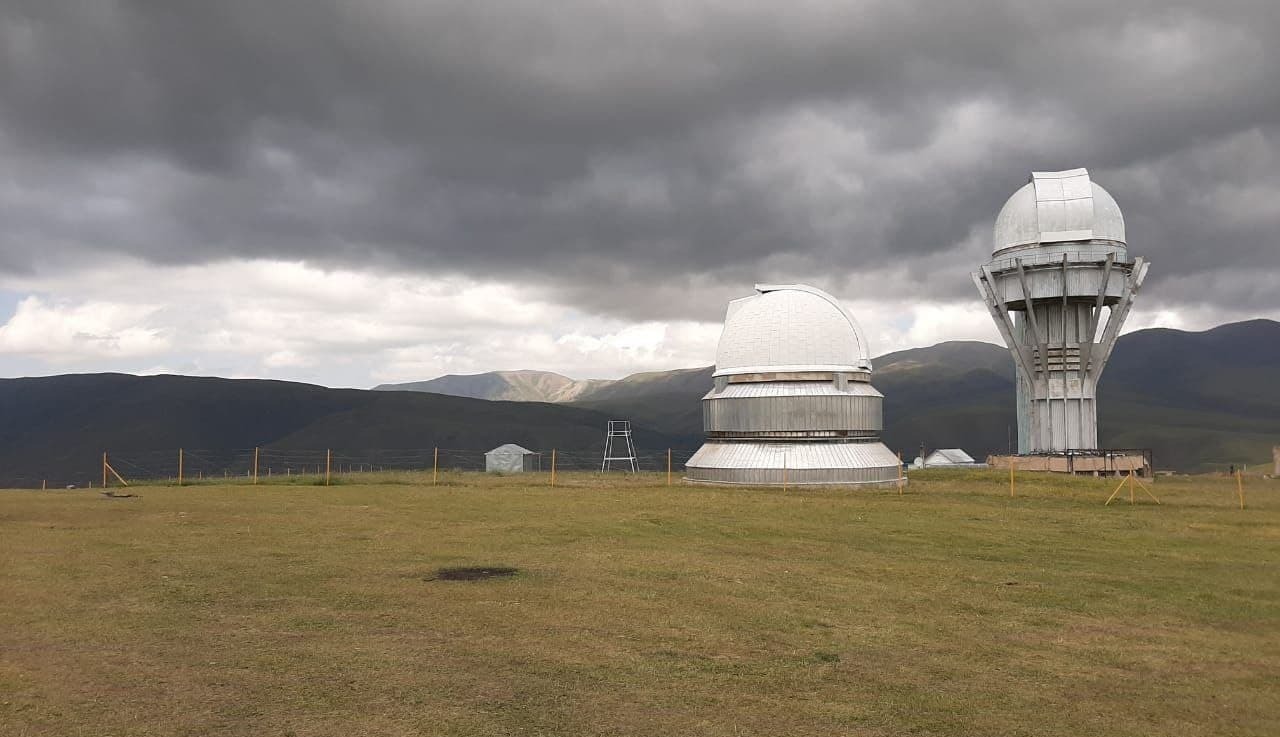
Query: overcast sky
350, 192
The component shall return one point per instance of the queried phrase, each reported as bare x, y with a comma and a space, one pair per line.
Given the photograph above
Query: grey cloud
586, 145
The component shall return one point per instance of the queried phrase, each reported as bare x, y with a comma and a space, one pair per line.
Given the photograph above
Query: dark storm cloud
682, 144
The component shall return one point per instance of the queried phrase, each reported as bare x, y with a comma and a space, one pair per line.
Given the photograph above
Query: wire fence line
240, 464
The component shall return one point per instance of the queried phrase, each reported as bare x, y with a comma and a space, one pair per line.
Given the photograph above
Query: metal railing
1054, 258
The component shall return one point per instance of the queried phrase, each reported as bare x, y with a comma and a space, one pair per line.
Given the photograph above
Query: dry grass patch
642, 609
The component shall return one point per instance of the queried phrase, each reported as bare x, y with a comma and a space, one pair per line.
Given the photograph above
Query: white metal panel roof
1064, 205
950, 455
795, 456
794, 389
791, 327
1058, 207
510, 449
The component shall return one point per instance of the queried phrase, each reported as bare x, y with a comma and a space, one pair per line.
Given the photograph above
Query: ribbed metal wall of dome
794, 406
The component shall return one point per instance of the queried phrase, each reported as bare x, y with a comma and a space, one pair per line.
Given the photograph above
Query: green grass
952, 609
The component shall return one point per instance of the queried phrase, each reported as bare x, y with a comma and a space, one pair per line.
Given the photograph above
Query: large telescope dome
1059, 207
790, 328
792, 402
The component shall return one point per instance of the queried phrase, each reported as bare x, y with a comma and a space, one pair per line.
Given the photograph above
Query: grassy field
642, 609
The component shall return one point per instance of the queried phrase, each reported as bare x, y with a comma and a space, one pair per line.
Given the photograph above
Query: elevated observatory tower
1060, 258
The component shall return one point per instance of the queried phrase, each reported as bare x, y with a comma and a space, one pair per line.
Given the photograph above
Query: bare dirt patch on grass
472, 573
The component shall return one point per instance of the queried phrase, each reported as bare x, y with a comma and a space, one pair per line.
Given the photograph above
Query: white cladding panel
857, 415
794, 456
1108, 221
1058, 207
757, 389
790, 328
793, 463
1017, 224
1064, 205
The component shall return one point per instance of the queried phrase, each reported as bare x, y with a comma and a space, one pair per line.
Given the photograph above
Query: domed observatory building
792, 401
1060, 258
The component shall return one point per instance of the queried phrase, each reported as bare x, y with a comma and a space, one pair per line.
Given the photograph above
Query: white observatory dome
1058, 207
788, 328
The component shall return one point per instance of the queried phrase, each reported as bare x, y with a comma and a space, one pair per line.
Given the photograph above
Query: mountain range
546, 386
511, 386
1199, 400
950, 358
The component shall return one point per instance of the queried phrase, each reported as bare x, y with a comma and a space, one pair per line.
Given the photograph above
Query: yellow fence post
255, 465
668, 466
435, 465
1240, 487
114, 472
179, 466
1113, 494
553, 466
328, 464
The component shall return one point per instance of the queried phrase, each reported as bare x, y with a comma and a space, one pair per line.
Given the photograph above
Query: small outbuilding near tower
511, 458
948, 458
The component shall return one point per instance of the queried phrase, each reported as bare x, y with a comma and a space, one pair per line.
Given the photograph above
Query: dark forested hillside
1199, 400
57, 427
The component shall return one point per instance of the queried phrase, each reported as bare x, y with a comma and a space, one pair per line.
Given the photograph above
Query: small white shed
947, 458
511, 458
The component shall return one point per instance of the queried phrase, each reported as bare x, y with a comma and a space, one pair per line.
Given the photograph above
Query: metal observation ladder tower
619, 429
